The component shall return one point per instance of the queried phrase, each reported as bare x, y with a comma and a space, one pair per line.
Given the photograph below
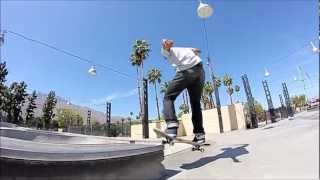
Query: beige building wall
225, 118
187, 124
232, 117
241, 120
210, 122
136, 129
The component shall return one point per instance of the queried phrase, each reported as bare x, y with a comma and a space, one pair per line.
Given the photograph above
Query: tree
205, 101
237, 90
208, 89
140, 52
97, 127
217, 83
3, 88
30, 108
48, 108
15, 98
227, 81
154, 77
260, 113
299, 101
184, 109
67, 118
164, 86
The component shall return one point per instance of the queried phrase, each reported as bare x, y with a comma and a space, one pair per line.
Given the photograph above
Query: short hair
163, 41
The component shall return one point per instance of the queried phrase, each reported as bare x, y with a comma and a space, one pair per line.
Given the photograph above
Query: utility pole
284, 113
89, 121
122, 132
216, 93
145, 118
287, 99
108, 118
250, 101
269, 100
130, 119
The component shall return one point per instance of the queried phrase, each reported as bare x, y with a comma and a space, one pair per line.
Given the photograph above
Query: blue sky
244, 37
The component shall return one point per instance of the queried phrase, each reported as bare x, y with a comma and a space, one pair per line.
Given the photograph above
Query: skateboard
170, 140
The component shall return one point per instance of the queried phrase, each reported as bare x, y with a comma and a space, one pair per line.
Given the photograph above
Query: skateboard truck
171, 141
194, 147
197, 148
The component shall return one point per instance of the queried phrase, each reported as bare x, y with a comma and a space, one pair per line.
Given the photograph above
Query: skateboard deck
170, 140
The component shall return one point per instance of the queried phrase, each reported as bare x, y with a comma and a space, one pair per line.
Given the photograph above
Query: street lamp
204, 10
266, 72
314, 48
92, 71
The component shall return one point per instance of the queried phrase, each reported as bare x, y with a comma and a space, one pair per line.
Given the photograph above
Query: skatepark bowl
35, 154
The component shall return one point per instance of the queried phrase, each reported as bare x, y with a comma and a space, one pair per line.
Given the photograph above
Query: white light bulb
92, 71
266, 72
204, 10
314, 48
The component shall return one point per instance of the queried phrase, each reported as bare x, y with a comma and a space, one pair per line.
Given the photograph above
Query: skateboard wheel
201, 150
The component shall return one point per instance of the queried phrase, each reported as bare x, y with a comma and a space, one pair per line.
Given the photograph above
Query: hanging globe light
266, 72
92, 71
204, 10
1, 39
314, 48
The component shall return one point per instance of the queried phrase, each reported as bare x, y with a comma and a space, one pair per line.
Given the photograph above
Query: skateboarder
189, 75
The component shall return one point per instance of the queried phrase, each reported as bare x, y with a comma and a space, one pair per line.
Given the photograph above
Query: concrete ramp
35, 154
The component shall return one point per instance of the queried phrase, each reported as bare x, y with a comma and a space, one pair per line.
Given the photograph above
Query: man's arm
196, 51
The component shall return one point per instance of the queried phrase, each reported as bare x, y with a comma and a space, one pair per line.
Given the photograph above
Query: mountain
82, 110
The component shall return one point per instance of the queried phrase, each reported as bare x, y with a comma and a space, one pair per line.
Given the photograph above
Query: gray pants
193, 80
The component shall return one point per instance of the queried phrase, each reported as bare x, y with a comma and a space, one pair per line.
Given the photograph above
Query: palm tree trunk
139, 90
212, 102
187, 100
184, 99
231, 99
157, 101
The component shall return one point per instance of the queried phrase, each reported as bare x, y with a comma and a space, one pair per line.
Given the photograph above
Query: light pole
130, 119
302, 78
204, 11
122, 120
268, 96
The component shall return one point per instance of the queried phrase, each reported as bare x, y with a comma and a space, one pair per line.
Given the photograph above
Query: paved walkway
286, 149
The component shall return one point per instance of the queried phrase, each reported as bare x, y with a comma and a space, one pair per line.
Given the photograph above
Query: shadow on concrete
229, 152
167, 173
270, 127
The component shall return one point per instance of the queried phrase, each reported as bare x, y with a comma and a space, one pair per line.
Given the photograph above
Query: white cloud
114, 96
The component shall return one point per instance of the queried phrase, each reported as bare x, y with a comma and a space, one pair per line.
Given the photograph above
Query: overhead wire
69, 54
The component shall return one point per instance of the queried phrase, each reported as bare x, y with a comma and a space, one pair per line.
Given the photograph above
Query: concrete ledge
33, 154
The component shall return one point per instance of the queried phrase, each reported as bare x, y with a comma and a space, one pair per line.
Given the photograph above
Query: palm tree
217, 83
208, 90
154, 77
227, 81
140, 52
205, 101
237, 90
164, 86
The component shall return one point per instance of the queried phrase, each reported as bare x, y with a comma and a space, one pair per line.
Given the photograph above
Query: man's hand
196, 51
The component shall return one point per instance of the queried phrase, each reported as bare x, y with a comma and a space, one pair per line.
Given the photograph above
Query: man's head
167, 44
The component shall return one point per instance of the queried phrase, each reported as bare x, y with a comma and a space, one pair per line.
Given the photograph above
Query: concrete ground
288, 149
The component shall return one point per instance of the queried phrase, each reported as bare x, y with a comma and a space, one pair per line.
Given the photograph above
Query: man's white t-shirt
181, 58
